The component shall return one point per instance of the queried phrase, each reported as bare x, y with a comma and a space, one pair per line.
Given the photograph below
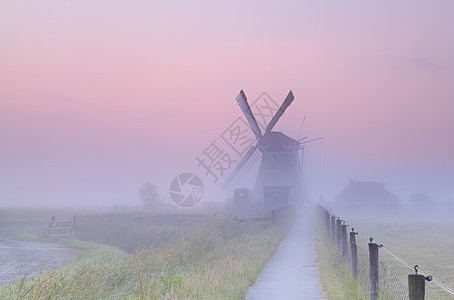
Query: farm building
366, 194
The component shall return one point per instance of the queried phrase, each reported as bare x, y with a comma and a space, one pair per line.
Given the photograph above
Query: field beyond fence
397, 249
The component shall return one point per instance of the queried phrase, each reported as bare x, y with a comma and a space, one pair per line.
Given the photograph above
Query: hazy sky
98, 97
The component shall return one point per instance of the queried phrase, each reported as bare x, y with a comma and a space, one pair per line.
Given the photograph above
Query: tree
149, 195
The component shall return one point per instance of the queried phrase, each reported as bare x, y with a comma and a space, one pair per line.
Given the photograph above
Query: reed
213, 258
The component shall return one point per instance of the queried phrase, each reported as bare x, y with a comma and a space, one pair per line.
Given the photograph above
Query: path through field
292, 273
18, 258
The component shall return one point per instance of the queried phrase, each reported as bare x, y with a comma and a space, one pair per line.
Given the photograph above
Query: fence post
74, 224
354, 250
416, 287
333, 228
52, 224
273, 217
339, 231
327, 221
344, 240
373, 277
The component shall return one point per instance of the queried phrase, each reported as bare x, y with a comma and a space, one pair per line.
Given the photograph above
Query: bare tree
149, 195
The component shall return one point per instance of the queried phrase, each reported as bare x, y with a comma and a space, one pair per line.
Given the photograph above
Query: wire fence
391, 287
428, 277
377, 279
363, 270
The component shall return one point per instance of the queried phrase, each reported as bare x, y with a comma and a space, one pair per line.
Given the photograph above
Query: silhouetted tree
149, 195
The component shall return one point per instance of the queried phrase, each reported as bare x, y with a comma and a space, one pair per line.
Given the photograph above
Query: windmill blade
248, 160
305, 142
288, 100
242, 102
301, 127
303, 138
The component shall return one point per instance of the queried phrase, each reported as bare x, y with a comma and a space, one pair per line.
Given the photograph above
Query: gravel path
19, 258
292, 273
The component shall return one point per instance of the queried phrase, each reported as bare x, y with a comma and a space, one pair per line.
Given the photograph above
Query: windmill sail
316, 139
245, 164
288, 100
279, 181
244, 105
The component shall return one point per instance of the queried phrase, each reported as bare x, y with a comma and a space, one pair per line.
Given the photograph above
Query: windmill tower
280, 176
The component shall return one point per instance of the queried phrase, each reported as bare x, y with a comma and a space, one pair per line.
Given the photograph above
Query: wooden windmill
280, 176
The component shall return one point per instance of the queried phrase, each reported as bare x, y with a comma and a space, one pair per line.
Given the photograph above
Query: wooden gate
64, 228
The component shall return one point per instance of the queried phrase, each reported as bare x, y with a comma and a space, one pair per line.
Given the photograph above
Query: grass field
160, 257
130, 232
427, 243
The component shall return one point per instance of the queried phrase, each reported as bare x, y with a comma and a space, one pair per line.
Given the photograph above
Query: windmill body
280, 166
280, 175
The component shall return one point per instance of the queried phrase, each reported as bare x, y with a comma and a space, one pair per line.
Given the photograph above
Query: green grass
130, 232
336, 277
199, 258
428, 244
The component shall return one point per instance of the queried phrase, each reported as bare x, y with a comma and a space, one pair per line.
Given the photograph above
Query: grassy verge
430, 245
336, 277
427, 242
214, 259
130, 232
35, 233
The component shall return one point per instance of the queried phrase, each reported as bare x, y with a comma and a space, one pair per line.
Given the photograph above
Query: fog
98, 99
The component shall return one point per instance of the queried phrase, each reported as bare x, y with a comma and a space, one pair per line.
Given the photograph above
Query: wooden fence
64, 228
265, 219
378, 280
271, 217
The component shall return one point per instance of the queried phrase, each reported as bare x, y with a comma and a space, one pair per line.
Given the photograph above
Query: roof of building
365, 192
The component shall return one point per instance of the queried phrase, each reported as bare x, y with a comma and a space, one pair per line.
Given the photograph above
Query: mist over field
97, 99
220, 149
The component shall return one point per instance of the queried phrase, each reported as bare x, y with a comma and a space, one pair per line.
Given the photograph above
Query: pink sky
97, 99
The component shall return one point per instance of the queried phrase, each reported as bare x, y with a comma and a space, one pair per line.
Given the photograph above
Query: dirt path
292, 272
19, 258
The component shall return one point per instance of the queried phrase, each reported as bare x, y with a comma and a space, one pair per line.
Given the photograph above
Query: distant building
366, 194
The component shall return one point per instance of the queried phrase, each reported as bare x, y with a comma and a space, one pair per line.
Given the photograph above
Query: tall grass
130, 232
336, 277
214, 259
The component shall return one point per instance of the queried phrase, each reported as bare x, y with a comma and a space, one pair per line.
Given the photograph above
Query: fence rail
265, 219
269, 218
63, 228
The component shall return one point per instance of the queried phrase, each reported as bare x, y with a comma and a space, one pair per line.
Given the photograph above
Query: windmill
280, 169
